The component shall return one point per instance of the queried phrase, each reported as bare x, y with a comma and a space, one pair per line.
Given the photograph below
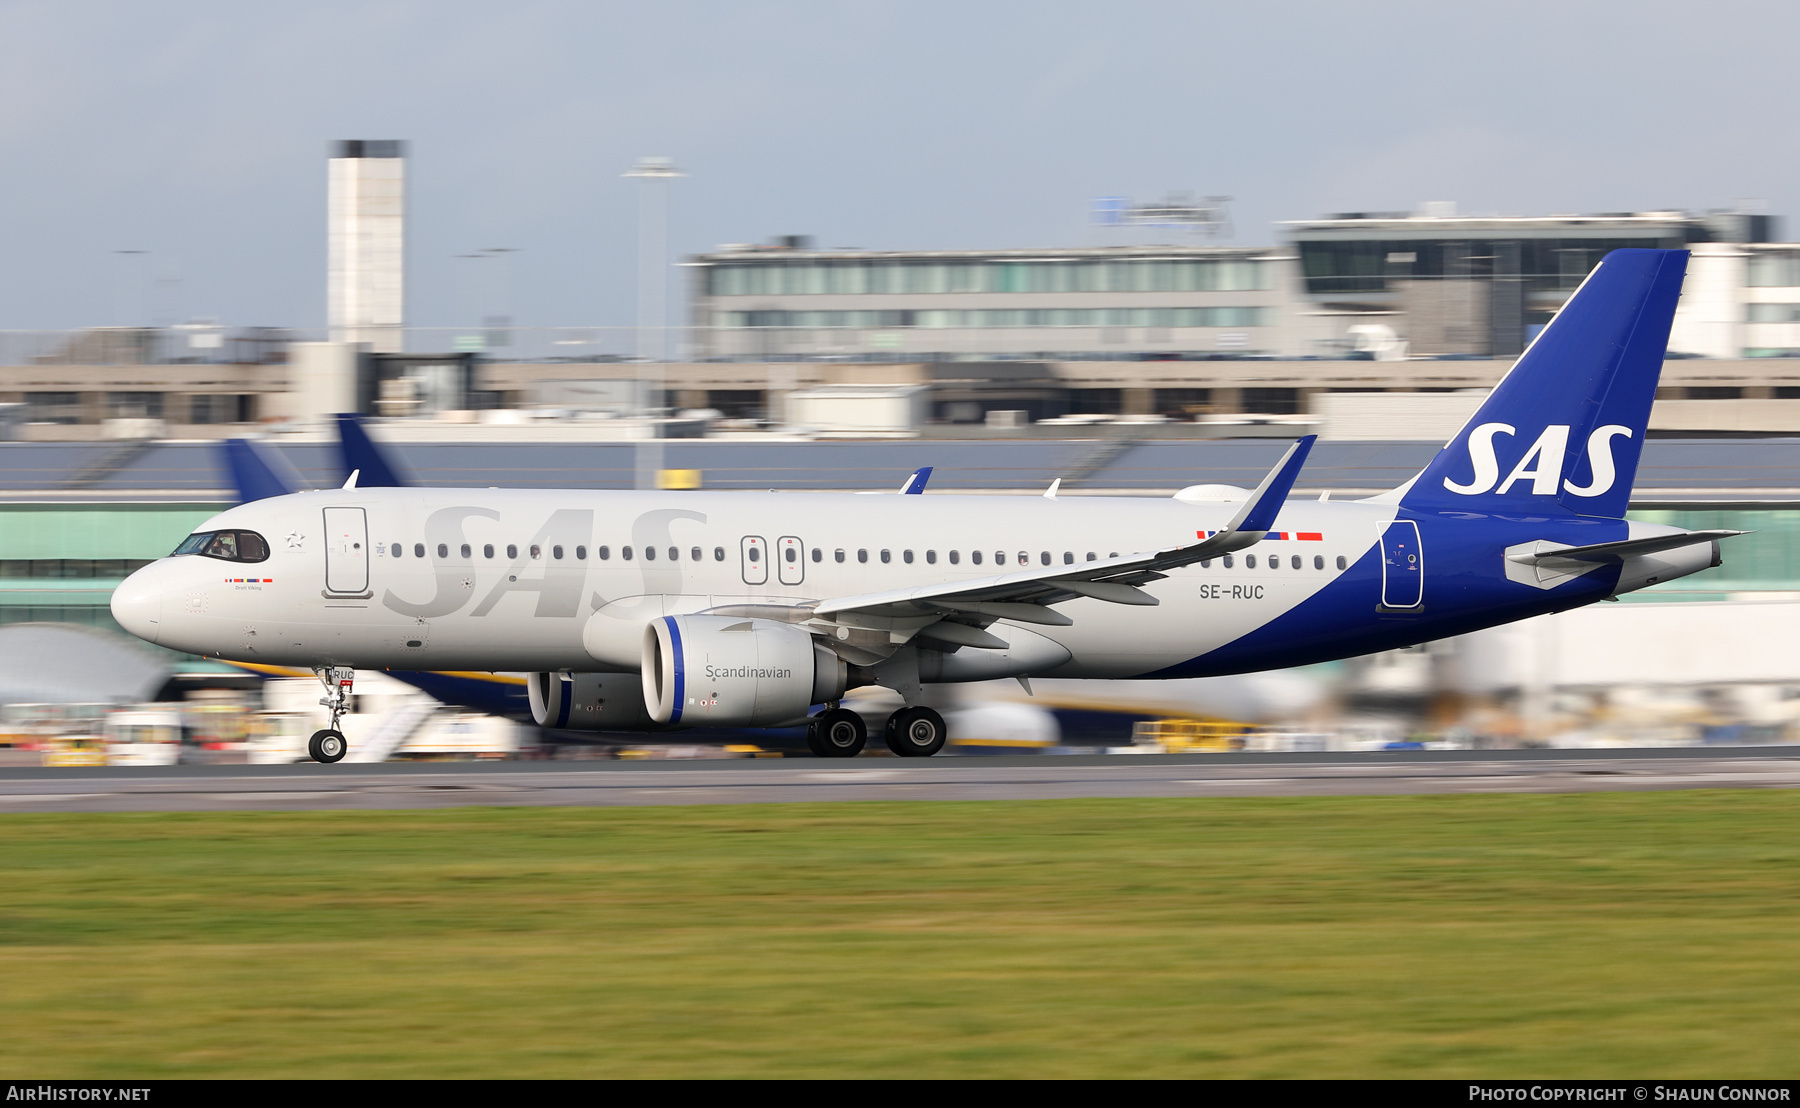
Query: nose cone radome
137, 603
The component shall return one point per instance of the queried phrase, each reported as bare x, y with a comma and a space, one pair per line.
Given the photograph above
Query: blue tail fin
1564, 428
362, 457
915, 484
253, 474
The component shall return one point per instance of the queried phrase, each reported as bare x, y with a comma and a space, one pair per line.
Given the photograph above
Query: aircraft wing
1024, 595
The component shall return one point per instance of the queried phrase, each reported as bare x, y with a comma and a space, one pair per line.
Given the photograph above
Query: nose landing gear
328, 745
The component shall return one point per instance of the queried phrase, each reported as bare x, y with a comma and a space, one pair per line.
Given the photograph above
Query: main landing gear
328, 745
838, 733
910, 733
915, 732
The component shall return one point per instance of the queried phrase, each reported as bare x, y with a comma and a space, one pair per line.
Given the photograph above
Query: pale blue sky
198, 131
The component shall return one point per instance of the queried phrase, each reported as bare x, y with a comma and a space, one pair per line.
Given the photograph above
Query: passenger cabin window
536, 552
1340, 562
512, 550
1091, 557
466, 551
1068, 558
1227, 561
581, 553
556, 552
906, 556
755, 554
838, 555
1294, 562
792, 555
1318, 561
955, 557
862, 556
487, 551
674, 554
1044, 557
818, 554
230, 546
1249, 561
975, 556
397, 550
886, 557
931, 557
718, 553
604, 552
999, 557
650, 553
418, 550
625, 553
696, 555
443, 550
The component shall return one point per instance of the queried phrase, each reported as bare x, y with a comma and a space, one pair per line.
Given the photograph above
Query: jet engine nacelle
588, 701
719, 671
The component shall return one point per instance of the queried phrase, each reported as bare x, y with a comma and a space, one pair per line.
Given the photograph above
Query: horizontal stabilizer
1619, 551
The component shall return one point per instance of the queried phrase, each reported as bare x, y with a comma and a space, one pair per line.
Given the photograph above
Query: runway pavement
1039, 777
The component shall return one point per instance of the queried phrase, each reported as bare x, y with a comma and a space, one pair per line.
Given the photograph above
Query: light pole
127, 311
498, 321
653, 176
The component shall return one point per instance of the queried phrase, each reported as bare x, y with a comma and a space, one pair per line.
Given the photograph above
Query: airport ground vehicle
144, 737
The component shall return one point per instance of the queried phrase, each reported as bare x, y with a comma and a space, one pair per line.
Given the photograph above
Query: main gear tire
839, 733
915, 733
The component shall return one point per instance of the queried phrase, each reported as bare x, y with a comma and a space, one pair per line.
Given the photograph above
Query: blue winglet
361, 456
252, 474
1259, 512
916, 483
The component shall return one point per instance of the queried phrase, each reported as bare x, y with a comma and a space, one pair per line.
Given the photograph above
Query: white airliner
638, 611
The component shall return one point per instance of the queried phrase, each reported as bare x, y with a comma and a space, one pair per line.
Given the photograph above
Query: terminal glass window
1774, 270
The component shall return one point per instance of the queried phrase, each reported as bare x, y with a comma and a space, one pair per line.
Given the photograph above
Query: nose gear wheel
328, 745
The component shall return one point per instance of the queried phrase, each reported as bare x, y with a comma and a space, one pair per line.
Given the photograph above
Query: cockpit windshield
231, 546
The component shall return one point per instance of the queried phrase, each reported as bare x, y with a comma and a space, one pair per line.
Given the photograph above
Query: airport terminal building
1415, 303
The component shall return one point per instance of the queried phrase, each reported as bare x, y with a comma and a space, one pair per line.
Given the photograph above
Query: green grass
1626, 934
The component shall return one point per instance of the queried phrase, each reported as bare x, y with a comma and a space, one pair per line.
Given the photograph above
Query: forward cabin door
346, 551
1402, 565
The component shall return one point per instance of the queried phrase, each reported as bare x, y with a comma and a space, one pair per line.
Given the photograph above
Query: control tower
366, 225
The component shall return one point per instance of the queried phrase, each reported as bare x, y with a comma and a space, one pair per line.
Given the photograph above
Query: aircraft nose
137, 603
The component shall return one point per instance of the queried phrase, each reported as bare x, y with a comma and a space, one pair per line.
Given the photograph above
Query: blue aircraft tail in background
1563, 429
255, 474
361, 456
